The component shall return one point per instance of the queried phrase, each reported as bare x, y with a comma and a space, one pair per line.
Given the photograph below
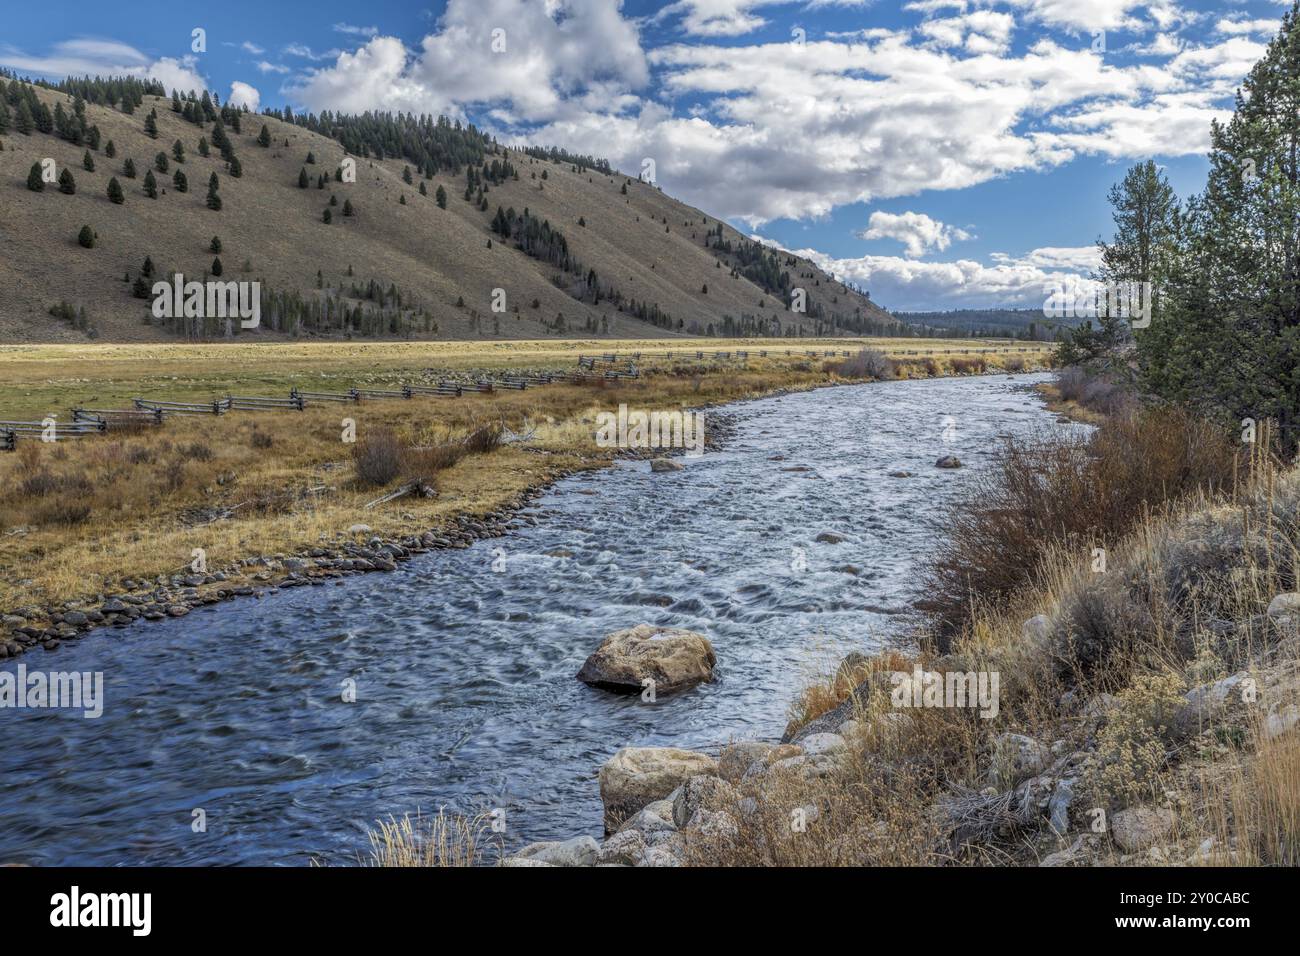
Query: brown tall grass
443, 840
1049, 493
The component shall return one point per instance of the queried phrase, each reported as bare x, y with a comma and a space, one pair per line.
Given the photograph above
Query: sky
939, 153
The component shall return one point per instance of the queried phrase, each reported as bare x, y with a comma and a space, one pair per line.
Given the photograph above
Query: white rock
579, 851
1140, 827
822, 744
637, 776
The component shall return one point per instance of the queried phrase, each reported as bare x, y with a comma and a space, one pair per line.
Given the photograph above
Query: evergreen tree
303, 180
88, 162
110, 150
203, 147
347, 207
328, 217
67, 185
217, 268
406, 175
128, 168
160, 162
34, 181
181, 182
214, 197
441, 197
150, 185
264, 137
86, 238
423, 191
151, 125
115, 194
5, 119
214, 246
23, 121
178, 151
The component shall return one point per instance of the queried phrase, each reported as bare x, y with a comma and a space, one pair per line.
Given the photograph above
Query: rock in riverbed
673, 658
637, 776
665, 464
948, 461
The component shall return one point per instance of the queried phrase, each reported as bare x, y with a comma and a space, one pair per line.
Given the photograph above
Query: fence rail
590, 369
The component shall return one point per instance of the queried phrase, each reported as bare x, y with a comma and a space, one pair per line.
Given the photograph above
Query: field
80, 518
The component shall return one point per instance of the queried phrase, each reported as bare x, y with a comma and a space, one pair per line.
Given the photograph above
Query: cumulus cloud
90, 57
917, 232
241, 94
528, 61
1010, 282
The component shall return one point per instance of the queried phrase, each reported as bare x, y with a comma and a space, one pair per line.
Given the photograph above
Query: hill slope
643, 246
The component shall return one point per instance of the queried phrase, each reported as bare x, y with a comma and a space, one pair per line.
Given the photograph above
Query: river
464, 661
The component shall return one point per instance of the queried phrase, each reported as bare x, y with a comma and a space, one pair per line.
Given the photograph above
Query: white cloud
917, 232
249, 47
241, 94
1011, 282
265, 67
566, 57
89, 56
1237, 27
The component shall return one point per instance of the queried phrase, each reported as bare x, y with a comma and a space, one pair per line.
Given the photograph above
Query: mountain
575, 247
986, 323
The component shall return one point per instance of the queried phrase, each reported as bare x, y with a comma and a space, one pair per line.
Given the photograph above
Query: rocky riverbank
1146, 715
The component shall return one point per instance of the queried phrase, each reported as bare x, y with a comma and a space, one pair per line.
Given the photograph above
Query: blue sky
941, 153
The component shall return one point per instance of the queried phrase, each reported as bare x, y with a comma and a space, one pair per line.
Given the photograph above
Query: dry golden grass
247, 484
443, 840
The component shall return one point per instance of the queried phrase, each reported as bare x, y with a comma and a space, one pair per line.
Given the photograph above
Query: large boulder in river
948, 461
637, 776
671, 657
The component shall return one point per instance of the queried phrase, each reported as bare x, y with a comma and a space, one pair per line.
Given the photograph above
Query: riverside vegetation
104, 530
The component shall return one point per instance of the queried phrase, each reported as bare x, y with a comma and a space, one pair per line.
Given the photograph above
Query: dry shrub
262, 440
1264, 802
868, 363
1094, 391
377, 457
1069, 493
1014, 364
1132, 746
62, 511
483, 439
970, 366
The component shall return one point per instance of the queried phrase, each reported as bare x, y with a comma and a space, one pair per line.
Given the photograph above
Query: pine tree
203, 147
236, 168
328, 217
264, 137
347, 207
88, 162
441, 197
423, 191
128, 168
35, 182
67, 185
23, 121
181, 182
110, 150
86, 238
214, 246
151, 125
214, 197
406, 175
178, 151
311, 159
303, 180
115, 194
160, 162
150, 185
5, 119
217, 267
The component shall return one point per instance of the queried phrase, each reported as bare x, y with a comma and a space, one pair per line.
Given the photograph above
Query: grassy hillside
648, 246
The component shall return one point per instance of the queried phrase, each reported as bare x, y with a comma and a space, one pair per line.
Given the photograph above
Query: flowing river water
464, 661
